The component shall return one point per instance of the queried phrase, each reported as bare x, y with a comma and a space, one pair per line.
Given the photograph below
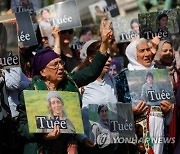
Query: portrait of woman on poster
45, 25
115, 67
162, 29
102, 125
56, 109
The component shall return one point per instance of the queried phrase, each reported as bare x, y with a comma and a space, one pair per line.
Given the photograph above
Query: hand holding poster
45, 109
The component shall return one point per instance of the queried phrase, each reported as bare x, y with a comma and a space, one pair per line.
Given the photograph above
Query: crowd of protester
62, 68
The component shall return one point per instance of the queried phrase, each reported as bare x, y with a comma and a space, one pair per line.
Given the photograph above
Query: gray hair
53, 94
140, 40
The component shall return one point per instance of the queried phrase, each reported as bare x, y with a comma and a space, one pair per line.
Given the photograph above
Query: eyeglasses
56, 65
69, 31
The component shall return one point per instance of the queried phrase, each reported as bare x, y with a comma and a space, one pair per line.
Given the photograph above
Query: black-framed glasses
56, 64
69, 31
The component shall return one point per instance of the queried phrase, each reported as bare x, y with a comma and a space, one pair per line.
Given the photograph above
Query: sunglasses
69, 31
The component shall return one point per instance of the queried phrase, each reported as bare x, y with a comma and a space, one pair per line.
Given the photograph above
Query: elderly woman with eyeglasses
49, 74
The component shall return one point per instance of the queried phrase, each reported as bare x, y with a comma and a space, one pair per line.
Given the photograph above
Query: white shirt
100, 92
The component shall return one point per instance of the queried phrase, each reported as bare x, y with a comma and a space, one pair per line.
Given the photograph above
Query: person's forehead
142, 45
149, 76
55, 98
55, 60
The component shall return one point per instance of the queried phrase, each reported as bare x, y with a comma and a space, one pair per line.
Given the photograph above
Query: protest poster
151, 86
103, 9
112, 7
163, 23
63, 14
26, 34
110, 122
125, 28
44, 113
25, 5
9, 55
117, 64
84, 34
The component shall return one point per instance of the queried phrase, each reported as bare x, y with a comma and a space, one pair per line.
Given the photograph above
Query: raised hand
56, 35
55, 32
106, 35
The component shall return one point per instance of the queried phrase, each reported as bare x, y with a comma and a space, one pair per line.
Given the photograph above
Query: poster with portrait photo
125, 28
84, 34
97, 11
48, 108
117, 64
9, 55
26, 34
150, 86
59, 15
110, 121
25, 5
112, 7
104, 8
163, 23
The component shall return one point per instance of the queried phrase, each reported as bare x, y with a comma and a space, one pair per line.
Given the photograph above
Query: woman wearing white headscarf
140, 58
136, 60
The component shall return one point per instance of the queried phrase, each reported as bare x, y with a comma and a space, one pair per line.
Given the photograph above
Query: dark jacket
71, 82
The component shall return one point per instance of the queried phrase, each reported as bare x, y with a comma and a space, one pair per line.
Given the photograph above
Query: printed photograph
9, 54
125, 28
150, 86
162, 23
104, 9
58, 15
112, 120
97, 11
117, 64
48, 108
25, 5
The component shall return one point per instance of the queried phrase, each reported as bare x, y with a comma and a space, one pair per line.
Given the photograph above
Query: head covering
83, 53
158, 52
41, 59
53, 94
131, 53
157, 62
